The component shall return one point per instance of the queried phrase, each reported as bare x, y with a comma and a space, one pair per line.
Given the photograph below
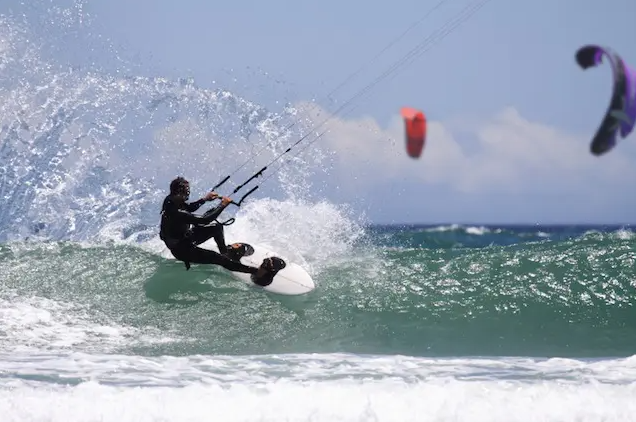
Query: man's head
180, 188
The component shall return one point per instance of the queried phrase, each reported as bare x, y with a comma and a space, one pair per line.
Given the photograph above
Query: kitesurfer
182, 231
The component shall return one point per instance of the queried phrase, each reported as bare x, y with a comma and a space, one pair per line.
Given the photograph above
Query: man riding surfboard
182, 232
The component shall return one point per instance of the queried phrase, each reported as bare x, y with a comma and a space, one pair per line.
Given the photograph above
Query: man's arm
188, 217
214, 212
185, 216
193, 206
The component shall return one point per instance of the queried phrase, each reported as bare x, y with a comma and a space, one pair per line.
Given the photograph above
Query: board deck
290, 280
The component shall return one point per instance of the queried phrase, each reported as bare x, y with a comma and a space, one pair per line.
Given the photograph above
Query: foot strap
236, 251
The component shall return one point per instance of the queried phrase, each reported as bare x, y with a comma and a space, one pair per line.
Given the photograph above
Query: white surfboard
291, 280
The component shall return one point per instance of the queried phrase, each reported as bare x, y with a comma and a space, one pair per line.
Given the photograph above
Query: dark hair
179, 186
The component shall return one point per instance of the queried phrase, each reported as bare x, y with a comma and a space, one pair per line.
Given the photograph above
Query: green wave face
569, 297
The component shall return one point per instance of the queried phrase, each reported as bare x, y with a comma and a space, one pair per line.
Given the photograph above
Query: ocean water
408, 323
412, 323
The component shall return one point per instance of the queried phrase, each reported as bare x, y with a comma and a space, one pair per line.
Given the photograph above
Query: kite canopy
621, 113
415, 128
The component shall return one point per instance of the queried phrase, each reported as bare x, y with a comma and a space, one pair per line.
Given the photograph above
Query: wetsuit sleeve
188, 217
193, 206
214, 213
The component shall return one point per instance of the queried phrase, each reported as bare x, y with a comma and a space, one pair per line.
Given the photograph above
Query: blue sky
515, 58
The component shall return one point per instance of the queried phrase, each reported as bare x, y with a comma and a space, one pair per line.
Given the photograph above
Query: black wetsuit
182, 231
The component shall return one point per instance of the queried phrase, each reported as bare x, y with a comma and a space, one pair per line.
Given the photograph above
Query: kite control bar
238, 204
220, 183
239, 187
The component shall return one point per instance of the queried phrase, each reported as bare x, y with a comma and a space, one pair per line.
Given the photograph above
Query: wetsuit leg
202, 234
196, 255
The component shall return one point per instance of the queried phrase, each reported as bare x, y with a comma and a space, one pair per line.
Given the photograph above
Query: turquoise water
524, 291
504, 323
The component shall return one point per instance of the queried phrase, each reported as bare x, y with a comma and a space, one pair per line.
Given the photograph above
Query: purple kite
621, 113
